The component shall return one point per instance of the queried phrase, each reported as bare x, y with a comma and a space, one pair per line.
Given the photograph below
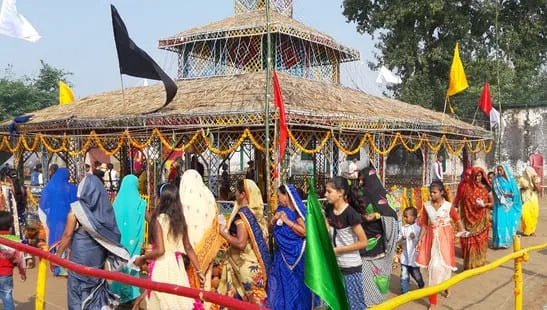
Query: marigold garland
312, 151
126, 136
31, 198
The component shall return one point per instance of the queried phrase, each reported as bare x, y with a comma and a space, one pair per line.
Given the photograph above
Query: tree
502, 41
23, 95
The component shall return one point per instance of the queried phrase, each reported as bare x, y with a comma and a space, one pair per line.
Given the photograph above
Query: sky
77, 37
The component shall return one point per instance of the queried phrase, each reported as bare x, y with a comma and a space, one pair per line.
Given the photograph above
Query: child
170, 241
8, 258
436, 242
348, 238
408, 237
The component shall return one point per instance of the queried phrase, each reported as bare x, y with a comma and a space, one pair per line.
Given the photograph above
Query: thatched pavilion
219, 107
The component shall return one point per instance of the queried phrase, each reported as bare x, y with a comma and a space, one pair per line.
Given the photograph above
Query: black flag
136, 62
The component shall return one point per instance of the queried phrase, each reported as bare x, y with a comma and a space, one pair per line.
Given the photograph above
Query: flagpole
267, 105
498, 82
123, 89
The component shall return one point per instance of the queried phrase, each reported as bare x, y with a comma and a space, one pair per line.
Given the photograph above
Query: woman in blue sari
93, 237
507, 208
286, 287
54, 207
130, 210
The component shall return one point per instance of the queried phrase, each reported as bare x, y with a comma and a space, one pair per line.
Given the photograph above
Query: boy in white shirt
408, 238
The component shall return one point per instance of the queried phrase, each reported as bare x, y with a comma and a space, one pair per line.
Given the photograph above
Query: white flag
386, 76
14, 24
495, 118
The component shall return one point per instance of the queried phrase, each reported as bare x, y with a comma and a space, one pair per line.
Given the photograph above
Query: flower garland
30, 197
94, 138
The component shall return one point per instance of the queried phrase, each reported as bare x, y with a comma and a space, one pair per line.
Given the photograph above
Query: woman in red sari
475, 204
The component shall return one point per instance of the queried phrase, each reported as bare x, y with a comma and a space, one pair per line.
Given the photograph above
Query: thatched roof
254, 23
238, 101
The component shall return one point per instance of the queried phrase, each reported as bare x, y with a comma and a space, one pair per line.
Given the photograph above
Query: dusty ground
493, 290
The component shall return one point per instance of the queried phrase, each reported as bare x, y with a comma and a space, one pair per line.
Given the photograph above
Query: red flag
485, 103
283, 130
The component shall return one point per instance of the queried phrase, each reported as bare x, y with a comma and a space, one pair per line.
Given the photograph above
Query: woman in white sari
200, 210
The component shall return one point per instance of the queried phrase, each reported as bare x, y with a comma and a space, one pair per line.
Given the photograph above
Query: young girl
436, 241
170, 235
348, 238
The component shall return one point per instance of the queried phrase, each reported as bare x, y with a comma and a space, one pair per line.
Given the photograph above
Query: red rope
120, 277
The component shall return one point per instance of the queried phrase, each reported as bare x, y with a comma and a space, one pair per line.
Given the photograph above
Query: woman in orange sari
475, 204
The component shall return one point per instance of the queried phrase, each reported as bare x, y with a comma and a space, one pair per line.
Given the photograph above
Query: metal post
268, 99
41, 283
518, 274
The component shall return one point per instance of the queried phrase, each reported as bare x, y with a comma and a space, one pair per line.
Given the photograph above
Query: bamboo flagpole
267, 104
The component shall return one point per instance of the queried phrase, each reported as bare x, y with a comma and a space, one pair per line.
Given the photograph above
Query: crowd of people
187, 234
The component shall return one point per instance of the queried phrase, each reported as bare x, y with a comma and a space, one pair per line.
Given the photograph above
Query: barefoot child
436, 241
348, 238
408, 238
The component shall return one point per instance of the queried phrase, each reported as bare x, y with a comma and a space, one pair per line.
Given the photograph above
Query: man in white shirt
408, 239
111, 178
438, 173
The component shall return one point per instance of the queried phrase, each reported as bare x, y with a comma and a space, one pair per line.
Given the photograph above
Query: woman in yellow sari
528, 184
200, 210
247, 259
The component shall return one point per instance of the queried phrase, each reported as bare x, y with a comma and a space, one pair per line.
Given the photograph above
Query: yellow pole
41, 282
518, 274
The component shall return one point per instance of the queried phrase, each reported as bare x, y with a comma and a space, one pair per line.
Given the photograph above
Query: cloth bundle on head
200, 210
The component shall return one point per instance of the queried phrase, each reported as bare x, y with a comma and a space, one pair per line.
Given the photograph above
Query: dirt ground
492, 290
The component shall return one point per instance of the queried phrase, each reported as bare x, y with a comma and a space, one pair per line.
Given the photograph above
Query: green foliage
22, 95
503, 42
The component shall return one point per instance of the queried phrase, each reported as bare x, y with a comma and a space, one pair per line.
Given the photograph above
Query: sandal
445, 293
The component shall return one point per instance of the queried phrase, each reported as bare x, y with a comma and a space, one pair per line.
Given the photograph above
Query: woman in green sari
130, 209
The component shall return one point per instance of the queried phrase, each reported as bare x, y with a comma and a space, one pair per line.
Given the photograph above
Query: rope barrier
521, 255
145, 284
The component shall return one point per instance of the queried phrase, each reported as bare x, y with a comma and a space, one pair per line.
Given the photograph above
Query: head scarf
96, 215
130, 209
529, 179
375, 193
467, 179
296, 200
200, 210
55, 202
256, 205
502, 185
472, 212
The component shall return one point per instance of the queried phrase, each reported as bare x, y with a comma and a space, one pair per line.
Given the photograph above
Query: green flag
321, 272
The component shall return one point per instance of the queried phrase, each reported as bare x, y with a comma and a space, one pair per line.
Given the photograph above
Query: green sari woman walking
130, 209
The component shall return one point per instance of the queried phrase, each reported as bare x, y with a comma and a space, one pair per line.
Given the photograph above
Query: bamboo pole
41, 283
400, 300
267, 104
518, 274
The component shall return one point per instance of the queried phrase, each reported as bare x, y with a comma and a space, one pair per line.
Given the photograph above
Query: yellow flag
458, 81
65, 94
